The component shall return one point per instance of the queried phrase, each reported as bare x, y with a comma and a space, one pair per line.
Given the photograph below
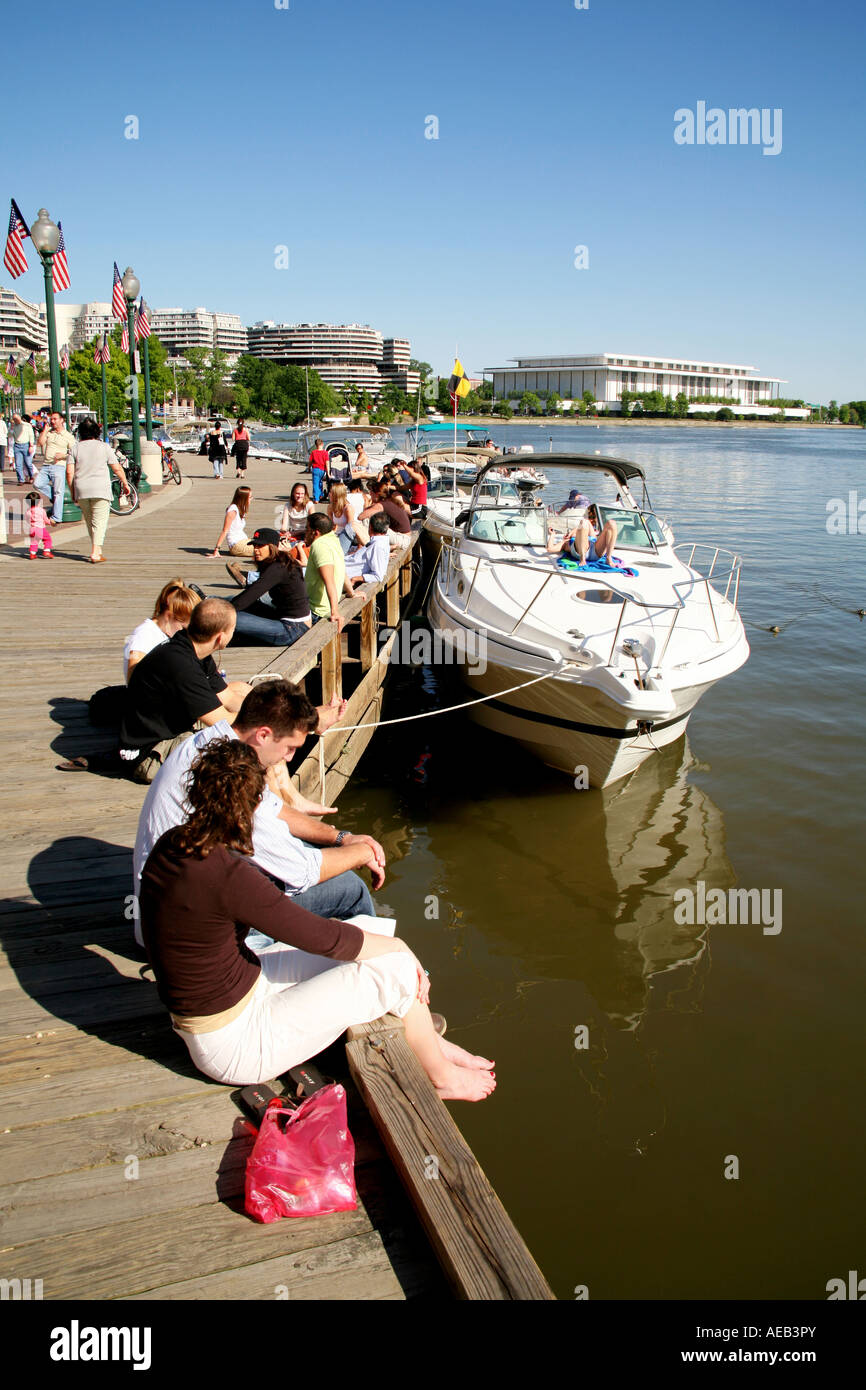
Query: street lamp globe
45, 234
131, 285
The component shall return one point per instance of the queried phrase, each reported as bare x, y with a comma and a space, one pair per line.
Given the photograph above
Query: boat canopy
622, 469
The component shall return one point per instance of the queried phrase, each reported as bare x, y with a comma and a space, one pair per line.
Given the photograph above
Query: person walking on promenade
216, 451
88, 473
38, 527
57, 446
23, 448
240, 448
319, 461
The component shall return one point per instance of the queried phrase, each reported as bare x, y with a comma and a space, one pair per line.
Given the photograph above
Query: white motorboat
452, 481
624, 652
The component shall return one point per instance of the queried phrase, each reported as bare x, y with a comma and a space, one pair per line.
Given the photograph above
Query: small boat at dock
624, 651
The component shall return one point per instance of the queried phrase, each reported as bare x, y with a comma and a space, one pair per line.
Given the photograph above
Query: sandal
79, 764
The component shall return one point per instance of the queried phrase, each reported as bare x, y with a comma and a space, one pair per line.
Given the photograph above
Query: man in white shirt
313, 862
4, 440
57, 446
23, 448
368, 564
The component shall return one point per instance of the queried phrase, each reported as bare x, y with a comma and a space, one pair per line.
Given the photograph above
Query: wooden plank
479, 1248
392, 602
149, 1252
356, 1268
50, 1096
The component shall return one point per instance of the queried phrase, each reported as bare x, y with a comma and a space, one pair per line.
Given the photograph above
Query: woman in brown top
247, 1017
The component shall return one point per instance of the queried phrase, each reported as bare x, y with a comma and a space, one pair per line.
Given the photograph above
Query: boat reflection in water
571, 885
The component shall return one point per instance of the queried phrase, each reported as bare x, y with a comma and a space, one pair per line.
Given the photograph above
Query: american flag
31, 361
124, 338
12, 365
64, 358
14, 258
118, 299
142, 323
106, 349
60, 274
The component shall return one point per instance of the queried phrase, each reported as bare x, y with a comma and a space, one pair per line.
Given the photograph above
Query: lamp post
45, 236
21, 381
131, 286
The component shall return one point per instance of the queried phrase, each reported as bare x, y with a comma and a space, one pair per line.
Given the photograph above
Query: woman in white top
234, 532
172, 611
344, 508
294, 519
88, 475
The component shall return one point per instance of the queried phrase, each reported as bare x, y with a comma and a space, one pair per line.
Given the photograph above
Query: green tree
589, 400
725, 413
554, 402
832, 411
626, 398
424, 369
681, 405
530, 403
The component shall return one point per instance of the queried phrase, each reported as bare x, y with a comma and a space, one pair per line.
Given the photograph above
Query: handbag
303, 1160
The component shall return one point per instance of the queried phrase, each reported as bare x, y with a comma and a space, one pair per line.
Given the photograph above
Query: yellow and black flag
458, 384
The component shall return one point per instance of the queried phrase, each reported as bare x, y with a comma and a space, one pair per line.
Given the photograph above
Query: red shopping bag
303, 1161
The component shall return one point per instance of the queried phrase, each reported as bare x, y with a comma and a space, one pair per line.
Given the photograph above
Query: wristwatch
341, 835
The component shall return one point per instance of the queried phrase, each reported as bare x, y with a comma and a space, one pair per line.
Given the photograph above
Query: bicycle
121, 503
170, 468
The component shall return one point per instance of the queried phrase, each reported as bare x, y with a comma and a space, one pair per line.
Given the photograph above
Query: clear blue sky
305, 127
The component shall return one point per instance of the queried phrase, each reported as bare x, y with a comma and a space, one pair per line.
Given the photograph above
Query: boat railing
448, 563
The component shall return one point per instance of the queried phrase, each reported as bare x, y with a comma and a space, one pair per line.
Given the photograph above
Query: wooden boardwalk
121, 1167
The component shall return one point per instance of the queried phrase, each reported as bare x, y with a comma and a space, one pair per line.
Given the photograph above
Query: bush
725, 413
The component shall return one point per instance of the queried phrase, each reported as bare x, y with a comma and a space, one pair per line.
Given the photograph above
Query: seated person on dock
368, 564
171, 689
246, 1016
586, 542
325, 574
286, 616
312, 861
171, 612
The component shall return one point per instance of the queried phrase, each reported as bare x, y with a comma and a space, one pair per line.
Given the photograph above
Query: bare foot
461, 1058
462, 1083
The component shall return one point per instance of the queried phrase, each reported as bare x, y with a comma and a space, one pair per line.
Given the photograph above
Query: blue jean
341, 897
23, 459
318, 475
344, 896
346, 537
51, 482
271, 630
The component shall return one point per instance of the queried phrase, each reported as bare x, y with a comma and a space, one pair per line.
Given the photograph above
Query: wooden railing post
332, 669
406, 575
392, 602
368, 635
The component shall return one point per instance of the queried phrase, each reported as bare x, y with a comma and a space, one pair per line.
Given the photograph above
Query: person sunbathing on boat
586, 542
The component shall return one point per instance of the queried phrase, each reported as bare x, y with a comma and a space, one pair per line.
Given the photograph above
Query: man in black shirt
171, 689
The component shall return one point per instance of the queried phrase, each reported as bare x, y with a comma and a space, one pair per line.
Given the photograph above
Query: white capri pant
300, 1005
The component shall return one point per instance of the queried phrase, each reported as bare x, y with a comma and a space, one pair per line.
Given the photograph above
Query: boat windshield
509, 525
634, 530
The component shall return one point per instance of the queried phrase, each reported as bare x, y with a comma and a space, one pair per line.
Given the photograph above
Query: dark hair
295, 487
379, 524
89, 428
225, 787
283, 707
212, 615
34, 498
320, 523
357, 485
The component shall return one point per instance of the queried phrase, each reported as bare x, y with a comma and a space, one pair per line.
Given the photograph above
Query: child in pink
38, 527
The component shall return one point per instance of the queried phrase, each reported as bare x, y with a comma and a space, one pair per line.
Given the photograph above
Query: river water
706, 1141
